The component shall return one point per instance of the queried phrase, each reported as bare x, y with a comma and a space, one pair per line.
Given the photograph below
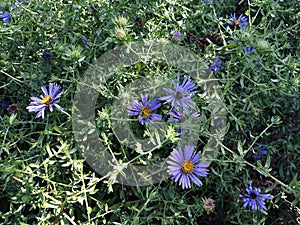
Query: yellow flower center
187, 166
47, 99
146, 111
236, 22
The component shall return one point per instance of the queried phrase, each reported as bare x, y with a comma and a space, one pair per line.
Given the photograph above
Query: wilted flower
185, 166
138, 21
216, 66
144, 110
209, 204
254, 198
181, 97
12, 108
48, 100
242, 21
5, 16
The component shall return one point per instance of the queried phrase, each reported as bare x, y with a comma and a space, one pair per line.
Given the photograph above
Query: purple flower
144, 110
176, 35
181, 117
249, 49
185, 166
254, 198
261, 152
5, 16
242, 21
48, 100
181, 97
84, 40
216, 66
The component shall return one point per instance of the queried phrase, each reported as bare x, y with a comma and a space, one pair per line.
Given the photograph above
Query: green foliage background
44, 177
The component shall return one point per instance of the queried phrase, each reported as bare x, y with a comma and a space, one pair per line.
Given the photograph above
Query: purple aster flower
176, 35
181, 97
242, 21
144, 110
254, 198
216, 66
5, 16
185, 166
181, 117
48, 100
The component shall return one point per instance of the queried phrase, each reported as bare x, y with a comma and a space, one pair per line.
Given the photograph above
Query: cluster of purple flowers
184, 164
180, 99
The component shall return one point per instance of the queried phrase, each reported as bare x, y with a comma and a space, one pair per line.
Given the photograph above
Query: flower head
249, 49
176, 35
254, 198
209, 204
48, 100
185, 166
120, 33
241, 21
144, 110
181, 117
216, 66
261, 153
5, 16
181, 97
